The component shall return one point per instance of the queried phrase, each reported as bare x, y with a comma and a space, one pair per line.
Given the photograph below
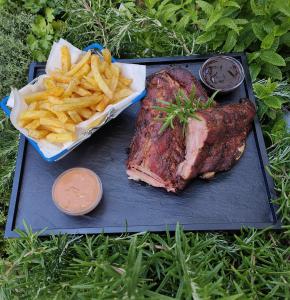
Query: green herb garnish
183, 108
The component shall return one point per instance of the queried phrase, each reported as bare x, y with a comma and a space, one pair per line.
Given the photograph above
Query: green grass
252, 264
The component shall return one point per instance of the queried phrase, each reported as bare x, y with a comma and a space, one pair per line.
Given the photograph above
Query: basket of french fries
79, 92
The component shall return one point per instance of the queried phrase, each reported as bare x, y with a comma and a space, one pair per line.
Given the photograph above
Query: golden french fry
34, 114
75, 116
57, 138
107, 55
121, 94
86, 85
32, 106
48, 83
125, 81
36, 97
103, 66
60, 77
33, 125
61, 116
103, 104
98, 77
54, 100
92, 81
82, 92
108, 73
115, 77
65, 58
97, 122
44, 105
83, 60
85, 113
53, 122
38, 134
78, 102
53, 129
84, 70
71, 87
70, 127
43, 95
23, 123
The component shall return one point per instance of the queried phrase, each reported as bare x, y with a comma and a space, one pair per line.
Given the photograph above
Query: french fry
49, 83
61, 116
32, 106
38, 134
76, 103
43, 95
85, 113
97, 122
45, 105
53, 129
60, 77
34, 114
71, 87
70, 127
58, 138
108, 73
92, 81
65, 59
86, 85
23, 123
103, 104
84, 70
103, 65
125, 81
83, 60
75, 116
115, 77
107, 56
82, 92
54, 100
36, 97
98, 77
33, 125
121, 94
53, 122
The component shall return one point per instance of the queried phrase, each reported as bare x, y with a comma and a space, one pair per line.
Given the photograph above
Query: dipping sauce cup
223, 73
77, 191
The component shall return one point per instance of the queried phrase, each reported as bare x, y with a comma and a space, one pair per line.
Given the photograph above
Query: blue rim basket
96, 47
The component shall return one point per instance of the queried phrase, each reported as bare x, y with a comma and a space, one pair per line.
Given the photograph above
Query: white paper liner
17, 103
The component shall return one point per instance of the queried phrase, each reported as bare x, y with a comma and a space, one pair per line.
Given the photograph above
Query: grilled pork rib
170, 159
154, 157
217, 140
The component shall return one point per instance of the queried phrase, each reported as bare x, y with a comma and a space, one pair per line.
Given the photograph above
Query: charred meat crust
158, 158
160, 153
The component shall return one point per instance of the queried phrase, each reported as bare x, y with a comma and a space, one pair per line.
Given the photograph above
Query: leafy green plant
271, 96
44, 31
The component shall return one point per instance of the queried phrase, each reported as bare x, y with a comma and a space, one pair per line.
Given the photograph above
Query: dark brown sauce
222, 73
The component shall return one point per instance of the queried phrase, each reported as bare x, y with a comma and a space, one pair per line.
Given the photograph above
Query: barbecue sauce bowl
222, 73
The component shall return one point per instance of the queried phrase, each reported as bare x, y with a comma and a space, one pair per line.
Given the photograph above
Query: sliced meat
211, 144
154, 157
217, 140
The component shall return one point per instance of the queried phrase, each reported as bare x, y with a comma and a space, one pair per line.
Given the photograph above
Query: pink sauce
77, 191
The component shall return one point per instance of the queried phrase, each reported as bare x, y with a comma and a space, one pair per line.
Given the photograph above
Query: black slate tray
238, 198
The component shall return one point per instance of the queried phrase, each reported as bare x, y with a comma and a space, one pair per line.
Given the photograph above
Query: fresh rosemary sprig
183, 108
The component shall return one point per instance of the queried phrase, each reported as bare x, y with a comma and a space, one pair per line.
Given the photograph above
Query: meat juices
170, 159
77, 191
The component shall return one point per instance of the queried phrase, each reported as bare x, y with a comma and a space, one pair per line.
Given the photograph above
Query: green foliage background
247, 265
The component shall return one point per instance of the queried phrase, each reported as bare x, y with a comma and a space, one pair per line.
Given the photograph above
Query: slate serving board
238, 198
